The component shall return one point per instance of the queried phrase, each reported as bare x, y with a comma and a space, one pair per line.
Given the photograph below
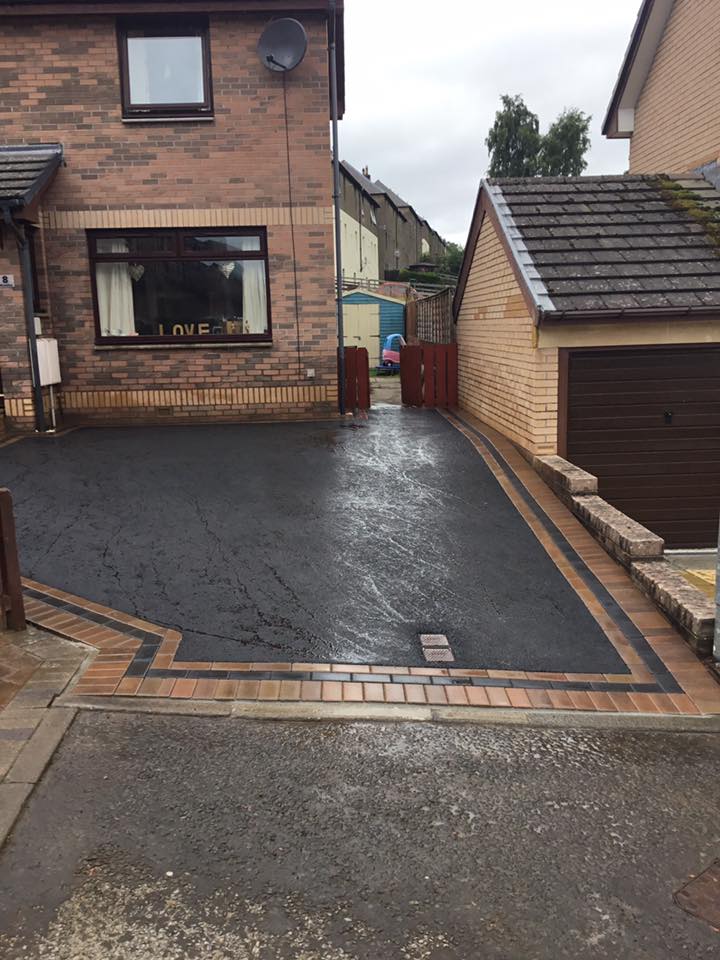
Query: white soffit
523, 259
635, 71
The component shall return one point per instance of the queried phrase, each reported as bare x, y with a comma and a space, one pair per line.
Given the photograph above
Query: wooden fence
428, 375
434, 320
12, 608
357, 379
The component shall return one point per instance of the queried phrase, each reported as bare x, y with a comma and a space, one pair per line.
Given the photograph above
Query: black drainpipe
28, 299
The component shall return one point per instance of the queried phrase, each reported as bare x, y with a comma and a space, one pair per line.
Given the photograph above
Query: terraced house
166, 206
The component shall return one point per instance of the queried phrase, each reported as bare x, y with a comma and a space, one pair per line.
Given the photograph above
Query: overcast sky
424, 80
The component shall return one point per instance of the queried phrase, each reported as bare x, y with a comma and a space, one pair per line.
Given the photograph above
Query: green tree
518, 149
563, 148
514, 140
452, 261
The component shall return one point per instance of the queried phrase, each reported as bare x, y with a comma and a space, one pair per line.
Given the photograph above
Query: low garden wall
639, 550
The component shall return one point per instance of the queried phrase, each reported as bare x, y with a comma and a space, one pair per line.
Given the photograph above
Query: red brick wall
62, 84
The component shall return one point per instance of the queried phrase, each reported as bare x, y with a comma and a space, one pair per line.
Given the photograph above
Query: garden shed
371, 318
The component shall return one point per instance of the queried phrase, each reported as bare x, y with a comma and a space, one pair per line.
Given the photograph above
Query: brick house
172, 198
404, 238
665, 100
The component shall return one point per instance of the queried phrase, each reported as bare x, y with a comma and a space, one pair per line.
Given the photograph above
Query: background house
183, 248
404, 238
359, 228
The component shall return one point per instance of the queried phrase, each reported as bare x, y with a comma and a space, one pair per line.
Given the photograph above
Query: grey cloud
424, 82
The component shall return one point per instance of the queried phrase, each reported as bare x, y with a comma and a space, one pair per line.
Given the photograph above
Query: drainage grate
438, 655
436, 648
700, 897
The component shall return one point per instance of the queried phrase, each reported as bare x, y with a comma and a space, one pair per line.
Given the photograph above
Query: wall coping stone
638, 549
686, 606
562, 475
633, 539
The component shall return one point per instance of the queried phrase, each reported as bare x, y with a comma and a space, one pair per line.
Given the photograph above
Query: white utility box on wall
48, 361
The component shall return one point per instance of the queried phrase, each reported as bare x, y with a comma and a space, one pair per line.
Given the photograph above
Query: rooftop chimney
366, 172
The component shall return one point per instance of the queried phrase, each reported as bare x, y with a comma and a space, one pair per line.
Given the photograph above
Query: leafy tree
514, 140
452, 261
563, 149
518, 149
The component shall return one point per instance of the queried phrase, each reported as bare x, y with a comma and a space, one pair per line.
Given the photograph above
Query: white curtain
254, 297
115, 296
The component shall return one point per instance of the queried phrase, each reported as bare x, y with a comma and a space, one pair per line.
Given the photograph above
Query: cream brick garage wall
677, 119
503, 378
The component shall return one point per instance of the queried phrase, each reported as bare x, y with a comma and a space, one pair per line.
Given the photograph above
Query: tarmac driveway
301, 541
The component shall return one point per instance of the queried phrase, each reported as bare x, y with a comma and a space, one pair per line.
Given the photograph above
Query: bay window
180, 285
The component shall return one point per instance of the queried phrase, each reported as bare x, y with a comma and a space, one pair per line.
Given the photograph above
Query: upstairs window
165, 69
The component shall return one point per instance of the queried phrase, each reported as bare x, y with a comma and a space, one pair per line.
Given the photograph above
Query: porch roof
26, 170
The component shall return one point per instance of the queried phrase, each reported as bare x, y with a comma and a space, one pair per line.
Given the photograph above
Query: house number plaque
7, 280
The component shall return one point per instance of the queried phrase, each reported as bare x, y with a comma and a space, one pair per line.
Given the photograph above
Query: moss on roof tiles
691, 202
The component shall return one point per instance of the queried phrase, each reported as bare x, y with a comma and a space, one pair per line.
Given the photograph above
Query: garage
646, 422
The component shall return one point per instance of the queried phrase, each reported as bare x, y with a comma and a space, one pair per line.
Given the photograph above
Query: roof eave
348, 172
531, 285
630, 313
644, 41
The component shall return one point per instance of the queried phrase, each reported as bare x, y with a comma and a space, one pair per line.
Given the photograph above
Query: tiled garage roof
611, 245
24, 171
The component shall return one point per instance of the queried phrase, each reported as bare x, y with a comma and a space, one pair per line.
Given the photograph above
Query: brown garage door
646, 422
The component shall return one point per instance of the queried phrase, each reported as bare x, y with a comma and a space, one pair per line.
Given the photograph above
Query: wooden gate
428, 375
357, 379
12, 607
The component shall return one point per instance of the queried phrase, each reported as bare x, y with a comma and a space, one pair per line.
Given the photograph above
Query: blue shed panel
392, 313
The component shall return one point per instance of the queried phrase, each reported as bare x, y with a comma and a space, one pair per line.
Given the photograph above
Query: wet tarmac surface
170, 838
301, 542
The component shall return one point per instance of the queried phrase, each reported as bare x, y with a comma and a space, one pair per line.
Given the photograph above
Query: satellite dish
283, 45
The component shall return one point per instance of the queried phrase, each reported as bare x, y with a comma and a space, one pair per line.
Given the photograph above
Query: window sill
262, 344
201, 118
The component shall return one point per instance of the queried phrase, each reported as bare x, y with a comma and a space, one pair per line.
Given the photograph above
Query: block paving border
138, 659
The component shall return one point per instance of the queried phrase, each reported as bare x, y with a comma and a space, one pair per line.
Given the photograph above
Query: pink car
391, 350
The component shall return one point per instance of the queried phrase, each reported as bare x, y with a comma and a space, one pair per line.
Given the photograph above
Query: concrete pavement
164, 837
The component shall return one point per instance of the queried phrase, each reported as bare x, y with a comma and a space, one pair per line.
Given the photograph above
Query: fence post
716, 647
363, 378
452, 375
429, 356
13, 607
410, 375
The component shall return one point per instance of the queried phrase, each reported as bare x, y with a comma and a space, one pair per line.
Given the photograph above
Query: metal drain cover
434, 640
438, 655
700, 896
